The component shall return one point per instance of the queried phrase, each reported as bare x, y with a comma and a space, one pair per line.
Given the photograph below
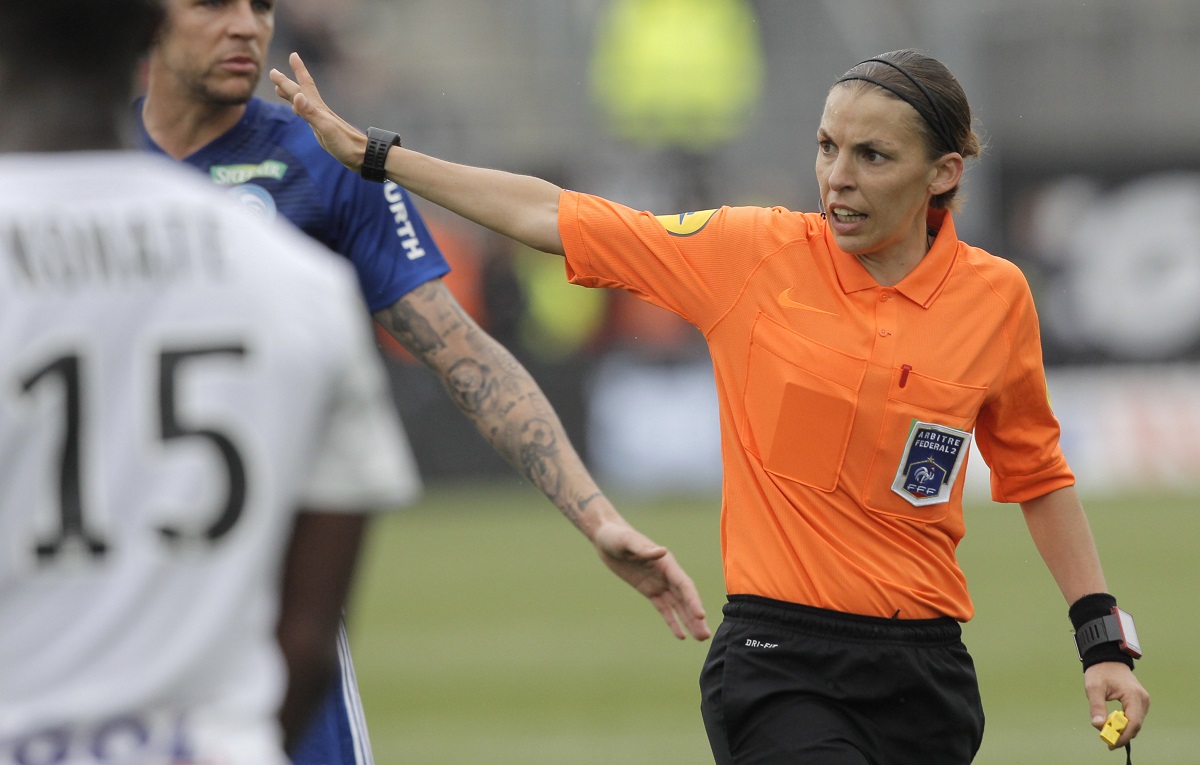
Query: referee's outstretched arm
521, 207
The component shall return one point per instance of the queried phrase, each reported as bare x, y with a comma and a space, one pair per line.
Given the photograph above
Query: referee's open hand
652, 570
345, 142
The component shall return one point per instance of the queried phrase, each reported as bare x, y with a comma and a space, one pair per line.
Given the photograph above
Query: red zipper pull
904, 370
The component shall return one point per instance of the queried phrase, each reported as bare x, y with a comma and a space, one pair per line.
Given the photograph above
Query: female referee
857, 353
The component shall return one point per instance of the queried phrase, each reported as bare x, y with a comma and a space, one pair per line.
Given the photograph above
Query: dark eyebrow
875, 146
879, 148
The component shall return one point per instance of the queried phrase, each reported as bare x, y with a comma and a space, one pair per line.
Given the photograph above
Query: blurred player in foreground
199, 109
857, 352
194, 423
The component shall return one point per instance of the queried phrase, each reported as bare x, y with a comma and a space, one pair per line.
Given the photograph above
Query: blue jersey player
270, 162
199, 108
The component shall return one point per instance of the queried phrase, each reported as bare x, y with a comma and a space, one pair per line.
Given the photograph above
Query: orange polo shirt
846, 408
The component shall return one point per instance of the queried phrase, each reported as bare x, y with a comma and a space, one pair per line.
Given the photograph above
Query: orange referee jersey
847, 409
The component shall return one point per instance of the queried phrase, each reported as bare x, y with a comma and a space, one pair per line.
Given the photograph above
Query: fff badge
933, 455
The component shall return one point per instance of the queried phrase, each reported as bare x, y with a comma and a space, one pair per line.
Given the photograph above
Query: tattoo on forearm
491, 387
583, 503
574, 510
578, 508
471, 385
413, 331
539, 456
510, 404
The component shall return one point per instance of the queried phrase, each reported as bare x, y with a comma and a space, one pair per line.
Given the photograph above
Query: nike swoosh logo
787, 302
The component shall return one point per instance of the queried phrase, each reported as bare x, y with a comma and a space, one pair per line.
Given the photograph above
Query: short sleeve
1017, 432
694, 264
379, 229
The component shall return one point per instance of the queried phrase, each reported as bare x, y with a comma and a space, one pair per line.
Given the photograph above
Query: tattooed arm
509, 409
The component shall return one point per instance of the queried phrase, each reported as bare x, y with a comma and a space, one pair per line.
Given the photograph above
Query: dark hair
925, 84
86, 38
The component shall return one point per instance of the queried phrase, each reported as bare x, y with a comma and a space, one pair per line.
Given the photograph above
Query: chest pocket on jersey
923, 399
800, 400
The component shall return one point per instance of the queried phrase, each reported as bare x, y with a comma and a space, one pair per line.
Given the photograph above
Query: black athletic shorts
786, 684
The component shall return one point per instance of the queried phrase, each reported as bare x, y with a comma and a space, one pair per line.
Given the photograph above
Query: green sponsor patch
232, 175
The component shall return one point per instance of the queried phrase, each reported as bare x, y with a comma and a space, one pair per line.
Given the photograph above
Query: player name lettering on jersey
404, 230
62, 253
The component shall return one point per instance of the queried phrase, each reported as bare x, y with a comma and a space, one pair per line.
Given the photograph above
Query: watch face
1129, 636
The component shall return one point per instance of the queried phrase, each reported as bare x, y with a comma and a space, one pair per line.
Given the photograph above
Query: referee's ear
946, 173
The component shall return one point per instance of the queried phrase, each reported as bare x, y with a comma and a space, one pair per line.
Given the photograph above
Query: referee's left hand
652, 570
1113, 681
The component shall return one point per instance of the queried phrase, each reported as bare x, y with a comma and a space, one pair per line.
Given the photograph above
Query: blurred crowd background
1090, 182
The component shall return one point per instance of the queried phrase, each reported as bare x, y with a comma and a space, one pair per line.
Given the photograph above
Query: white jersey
176, 378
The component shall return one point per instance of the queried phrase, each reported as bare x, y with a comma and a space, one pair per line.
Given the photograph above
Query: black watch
1116, 627
378, 143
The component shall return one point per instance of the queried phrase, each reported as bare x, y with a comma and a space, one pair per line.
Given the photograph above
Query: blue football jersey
271, 162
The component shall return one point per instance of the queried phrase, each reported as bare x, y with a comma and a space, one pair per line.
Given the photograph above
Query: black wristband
378, 143
1087, 609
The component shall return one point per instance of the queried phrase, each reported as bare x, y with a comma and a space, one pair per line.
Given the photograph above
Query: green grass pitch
485, 630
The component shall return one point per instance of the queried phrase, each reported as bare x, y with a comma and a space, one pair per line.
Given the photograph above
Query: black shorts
786, 684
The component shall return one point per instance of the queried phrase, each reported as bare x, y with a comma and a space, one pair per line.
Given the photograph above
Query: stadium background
484, 631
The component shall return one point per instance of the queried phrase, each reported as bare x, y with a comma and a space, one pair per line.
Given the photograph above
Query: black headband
938, 123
